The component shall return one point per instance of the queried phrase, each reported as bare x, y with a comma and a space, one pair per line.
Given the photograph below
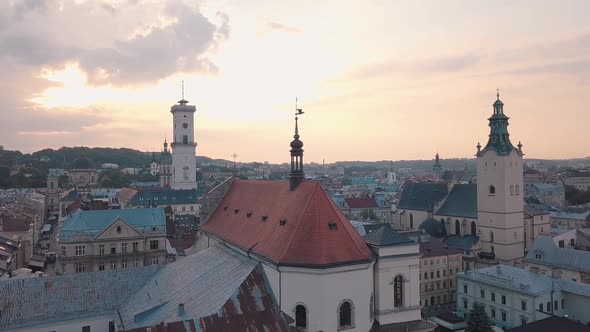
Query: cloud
281, 27
183, 44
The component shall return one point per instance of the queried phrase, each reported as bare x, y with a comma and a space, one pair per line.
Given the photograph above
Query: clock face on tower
185, 125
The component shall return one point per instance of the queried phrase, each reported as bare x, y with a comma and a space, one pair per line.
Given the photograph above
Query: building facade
514, 297
439, 266
112, 239
184, 162
559, 260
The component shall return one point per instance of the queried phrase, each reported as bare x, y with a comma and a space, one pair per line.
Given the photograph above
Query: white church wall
96, 324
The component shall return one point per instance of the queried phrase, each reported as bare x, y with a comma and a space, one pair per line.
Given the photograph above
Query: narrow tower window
300, 316
398, 291
511, 190
492, 190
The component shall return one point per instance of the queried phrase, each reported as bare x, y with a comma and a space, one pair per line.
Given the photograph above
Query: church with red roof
325, 276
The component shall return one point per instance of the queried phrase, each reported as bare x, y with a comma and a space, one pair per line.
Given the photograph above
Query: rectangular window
79, 267
426, 302
465, 289
444, 273
432, 274
562, 304
153, 244
63, 251
86, 328
503, 316
191, 208
493, 296
101, 249
123, 247
540, 306
555, 305
493, 313
183, 208
444, 284
465, 304
124, 263
523, 305
451, 283
155, 260
113, 265
425, 275
451, 272
456, 270
136, 263
503, 299
135, 246
482, 294
101, 266
438, 285
80, 250
522, 321
561, 243
113, 249
438, 274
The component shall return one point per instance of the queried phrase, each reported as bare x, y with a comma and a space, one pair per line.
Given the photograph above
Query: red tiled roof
361, 203
126, 194
305, 239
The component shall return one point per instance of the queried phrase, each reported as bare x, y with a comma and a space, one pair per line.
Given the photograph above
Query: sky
377, 79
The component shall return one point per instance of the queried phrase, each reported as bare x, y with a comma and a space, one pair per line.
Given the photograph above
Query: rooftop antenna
234, 156
497, 93
182, 89
183, 101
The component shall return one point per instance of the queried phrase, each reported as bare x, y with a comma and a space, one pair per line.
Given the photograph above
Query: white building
323, 273
514, 297
184, 162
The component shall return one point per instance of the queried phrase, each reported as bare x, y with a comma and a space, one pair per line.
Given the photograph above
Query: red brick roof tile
313, 232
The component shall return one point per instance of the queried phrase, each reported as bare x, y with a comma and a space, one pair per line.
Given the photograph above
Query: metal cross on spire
498, 93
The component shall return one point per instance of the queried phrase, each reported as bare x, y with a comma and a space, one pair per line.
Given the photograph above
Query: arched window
345, 314
517, 189
457, 227
301, 316
473, 228
493, 251
444, 227
398, 291
491, 237
492, 190
411, 221
511, 190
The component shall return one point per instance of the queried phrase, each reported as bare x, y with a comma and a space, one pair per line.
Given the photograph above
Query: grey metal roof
385, 236
465, 242
551, 324
36, 301
461, 202
525, 281
422, 196
161, 196
86, 225
203, 282
433, 227
568, 258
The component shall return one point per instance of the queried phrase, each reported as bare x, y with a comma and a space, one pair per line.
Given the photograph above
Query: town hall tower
184, 165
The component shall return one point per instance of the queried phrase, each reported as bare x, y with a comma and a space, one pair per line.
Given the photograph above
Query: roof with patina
302, 227
461, 202
422, 196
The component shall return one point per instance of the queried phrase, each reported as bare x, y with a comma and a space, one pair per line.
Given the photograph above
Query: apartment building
101, 240
438, 267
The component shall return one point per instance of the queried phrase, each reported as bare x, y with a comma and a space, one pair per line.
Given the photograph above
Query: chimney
180, 309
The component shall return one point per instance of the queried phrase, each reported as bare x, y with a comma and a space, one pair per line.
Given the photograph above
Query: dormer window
332, 226
118, 229
282, 222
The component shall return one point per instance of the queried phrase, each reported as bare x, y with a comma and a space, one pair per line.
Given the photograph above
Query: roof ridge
292, 235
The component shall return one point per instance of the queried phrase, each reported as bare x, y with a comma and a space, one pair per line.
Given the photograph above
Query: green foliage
575, 196
369, 214
478, 320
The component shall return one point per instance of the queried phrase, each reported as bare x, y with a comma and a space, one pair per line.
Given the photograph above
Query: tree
369, 214
478, 320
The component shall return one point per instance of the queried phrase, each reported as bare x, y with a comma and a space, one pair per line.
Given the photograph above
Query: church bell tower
499, 192
184, 163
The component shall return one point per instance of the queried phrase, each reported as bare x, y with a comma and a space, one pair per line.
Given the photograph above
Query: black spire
296, 175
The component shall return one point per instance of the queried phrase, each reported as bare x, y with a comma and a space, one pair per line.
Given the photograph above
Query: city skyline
377, 80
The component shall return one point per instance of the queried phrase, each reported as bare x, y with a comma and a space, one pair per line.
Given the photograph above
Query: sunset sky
378, 80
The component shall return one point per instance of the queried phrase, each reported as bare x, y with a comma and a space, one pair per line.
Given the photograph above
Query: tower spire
183, 101
296, 175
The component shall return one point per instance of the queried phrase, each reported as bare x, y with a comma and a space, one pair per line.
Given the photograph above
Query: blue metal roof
551, 255
385, 236
465, 242
165, 197
40, 301
461, 202
86, 225
422, 196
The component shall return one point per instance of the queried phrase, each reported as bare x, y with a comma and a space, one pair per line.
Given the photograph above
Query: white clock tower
500, 191
184, 160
